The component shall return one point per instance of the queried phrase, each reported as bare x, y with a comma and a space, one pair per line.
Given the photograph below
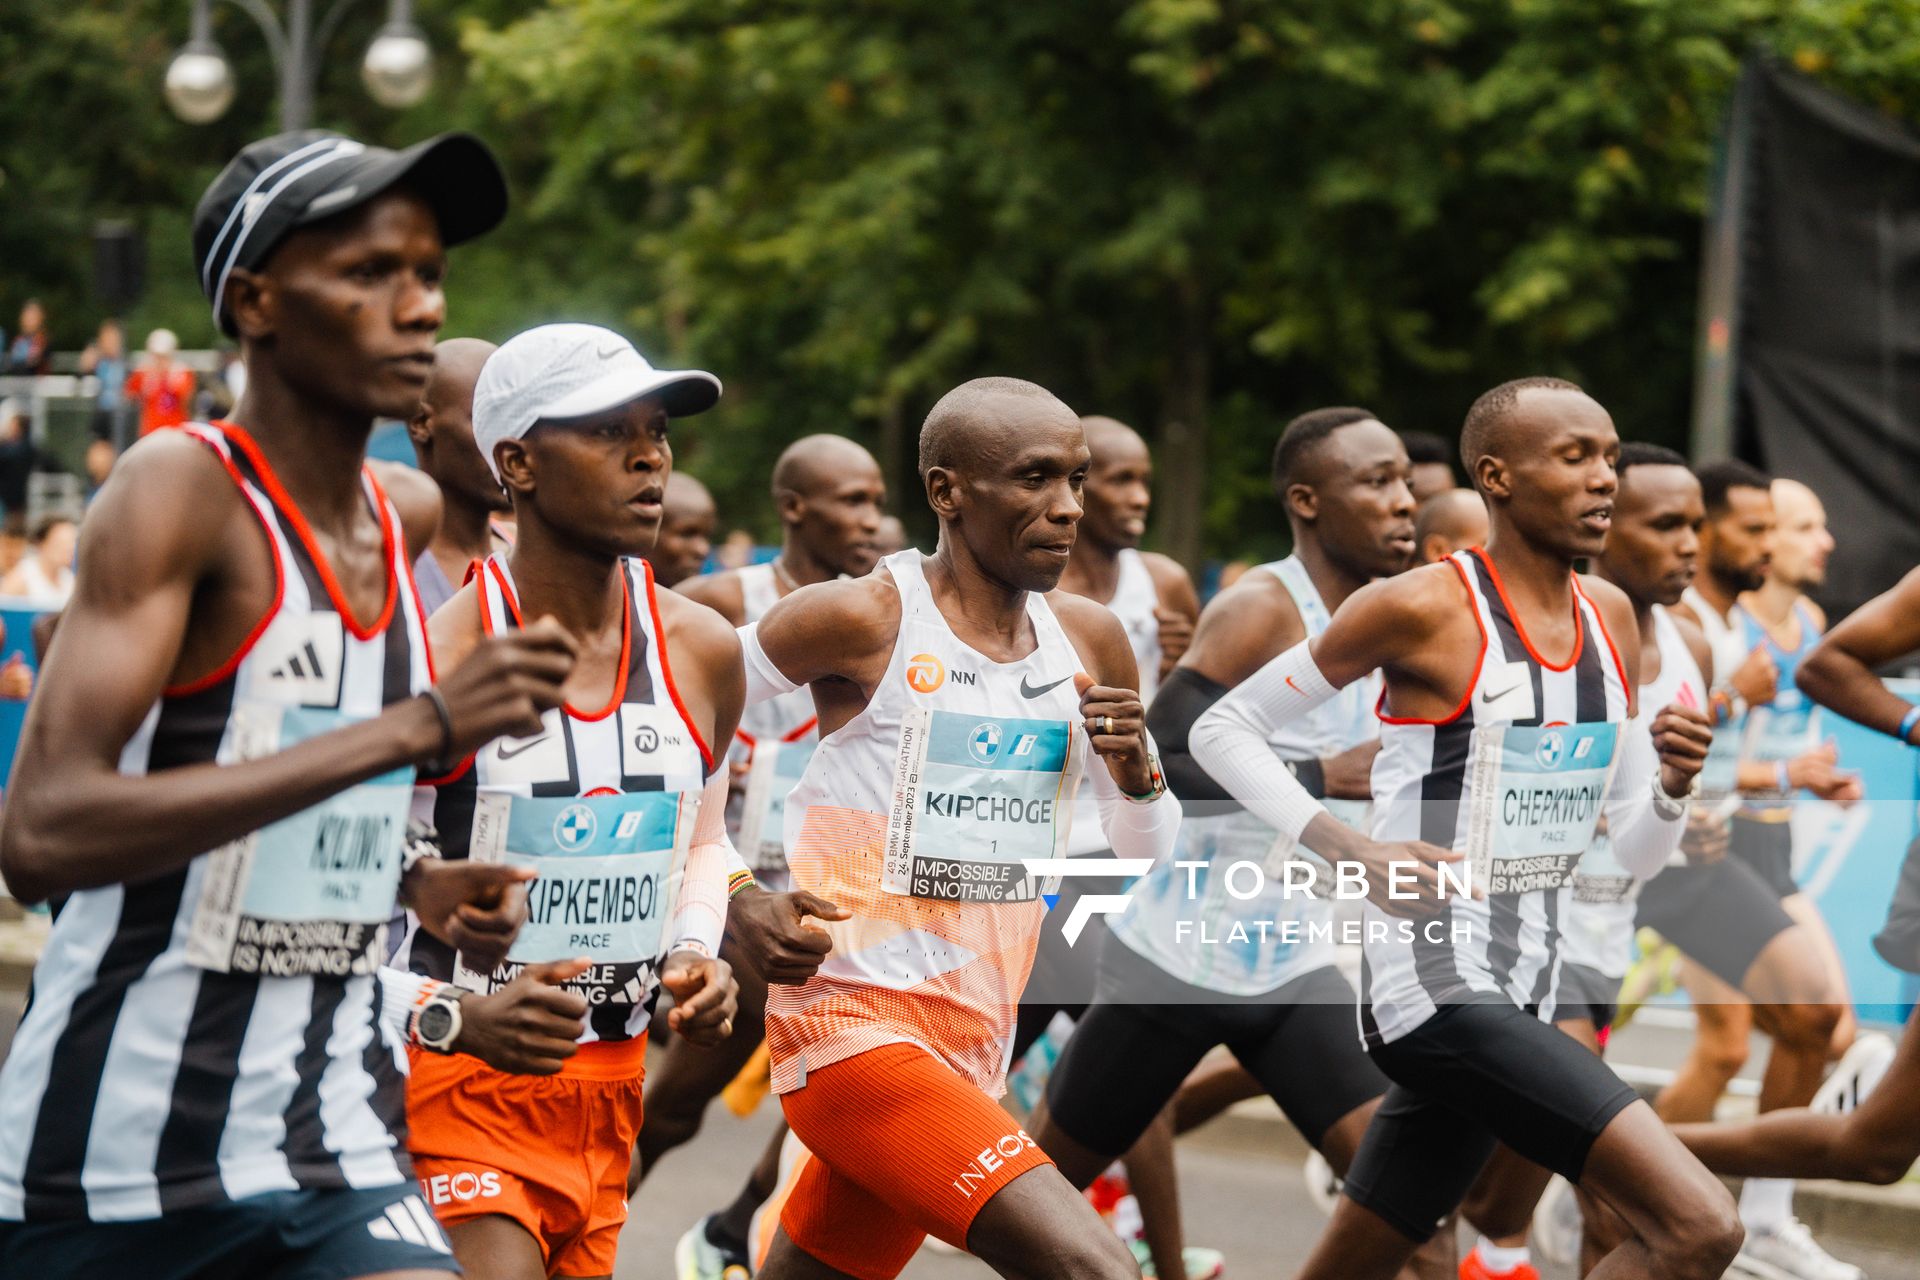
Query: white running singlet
1516, 778
1249, 947
1135, 598
775, 740
601, 801
916, 815
1599, 928
214, 1032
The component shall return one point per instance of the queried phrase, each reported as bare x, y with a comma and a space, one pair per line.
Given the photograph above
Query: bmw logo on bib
574, 828
985, 743
1549, 750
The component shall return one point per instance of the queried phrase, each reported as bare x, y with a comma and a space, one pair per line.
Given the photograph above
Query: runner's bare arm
836, 636
1179, 607
1839, 672
1623, 631
168, 532
1697, 645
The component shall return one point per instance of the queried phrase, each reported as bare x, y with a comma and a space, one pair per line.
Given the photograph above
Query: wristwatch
436, 1023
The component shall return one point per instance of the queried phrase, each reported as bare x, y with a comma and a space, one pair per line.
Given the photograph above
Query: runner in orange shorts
958, 706
616, 802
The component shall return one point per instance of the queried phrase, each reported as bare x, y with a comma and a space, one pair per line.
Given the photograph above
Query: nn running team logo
925, 673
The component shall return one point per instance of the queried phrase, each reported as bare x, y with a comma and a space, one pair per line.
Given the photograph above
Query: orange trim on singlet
626, 641
788, 738
1600, 620
1479, 662
666, 669
1520, 628
232, 664
283, 502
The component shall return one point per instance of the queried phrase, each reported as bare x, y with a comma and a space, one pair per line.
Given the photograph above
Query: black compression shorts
1127, 1058
1720, 914
1472, 1075
1587, 993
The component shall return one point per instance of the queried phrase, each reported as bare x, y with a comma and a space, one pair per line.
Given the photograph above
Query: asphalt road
1240, 1188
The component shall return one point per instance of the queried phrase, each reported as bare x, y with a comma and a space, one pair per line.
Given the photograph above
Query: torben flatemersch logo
1089, 905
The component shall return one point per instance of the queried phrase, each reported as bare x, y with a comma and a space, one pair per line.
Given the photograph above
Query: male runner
1879, 1139
1449, 521
599, 799
958, 702
686, 531
213, 779
1651, 554
1432, 458
441, 429
1771, 750
1196, 965
1506, 732
829, 495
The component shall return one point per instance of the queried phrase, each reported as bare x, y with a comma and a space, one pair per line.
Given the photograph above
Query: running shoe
1323, 1184
1655, 973
1557, 1225
1471, 1268
697, 1257
1859, 1070
1789, 1252
1201, 1264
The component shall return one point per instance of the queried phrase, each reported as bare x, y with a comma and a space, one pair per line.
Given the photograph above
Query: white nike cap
573, 371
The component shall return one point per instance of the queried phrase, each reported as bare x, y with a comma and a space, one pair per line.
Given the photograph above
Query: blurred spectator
163, 386
20, 457
106, 359
13, 544
46, 571
27, 353
16, 677
101, 455
221, 392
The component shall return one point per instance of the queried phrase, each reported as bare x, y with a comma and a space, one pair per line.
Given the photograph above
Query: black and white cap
293, 179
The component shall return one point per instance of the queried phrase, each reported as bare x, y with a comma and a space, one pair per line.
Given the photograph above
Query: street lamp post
397, 69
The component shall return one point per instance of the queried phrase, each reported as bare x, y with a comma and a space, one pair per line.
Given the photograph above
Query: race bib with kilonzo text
311, 894
974, 797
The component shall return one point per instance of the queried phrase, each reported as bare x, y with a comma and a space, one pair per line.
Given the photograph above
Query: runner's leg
1722, 1022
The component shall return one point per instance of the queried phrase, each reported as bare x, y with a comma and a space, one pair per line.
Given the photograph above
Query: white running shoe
1323, 1184
1557, 1224
1856, 1075
1789, 1252
698, 1258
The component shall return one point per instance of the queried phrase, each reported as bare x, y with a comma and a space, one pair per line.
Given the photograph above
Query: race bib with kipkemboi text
973, 798
1537, 795
608, 869
310, 894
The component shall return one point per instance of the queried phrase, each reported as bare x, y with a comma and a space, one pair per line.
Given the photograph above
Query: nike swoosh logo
1028, 691
1490, 696
609, 353
505, 752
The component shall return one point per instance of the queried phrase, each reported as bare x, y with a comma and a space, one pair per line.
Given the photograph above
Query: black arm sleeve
1182, 699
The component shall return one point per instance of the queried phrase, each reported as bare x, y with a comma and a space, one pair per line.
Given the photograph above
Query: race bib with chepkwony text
1537, 795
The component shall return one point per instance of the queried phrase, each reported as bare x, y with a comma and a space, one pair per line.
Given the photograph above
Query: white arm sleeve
1643, 837
1133, 829
1230, 740
401, 993
700, 913
764, 680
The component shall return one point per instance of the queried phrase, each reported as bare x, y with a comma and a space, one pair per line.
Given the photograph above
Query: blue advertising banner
17, 615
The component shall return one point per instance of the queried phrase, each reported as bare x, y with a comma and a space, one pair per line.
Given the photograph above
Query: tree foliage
1202, 216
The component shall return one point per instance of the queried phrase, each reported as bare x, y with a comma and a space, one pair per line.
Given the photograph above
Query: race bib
973, 797
608, 871
776, 768
1537, 798
1599, 879
310, 894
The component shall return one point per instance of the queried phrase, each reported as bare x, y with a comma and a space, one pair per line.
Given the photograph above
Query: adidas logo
408, 1220
294, 669
631, 991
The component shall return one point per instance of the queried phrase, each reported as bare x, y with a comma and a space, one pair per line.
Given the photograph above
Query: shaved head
983, 418
685, 496
813, 462
456, 367
1447, 522
441, 429
1110, 437
1493, 416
